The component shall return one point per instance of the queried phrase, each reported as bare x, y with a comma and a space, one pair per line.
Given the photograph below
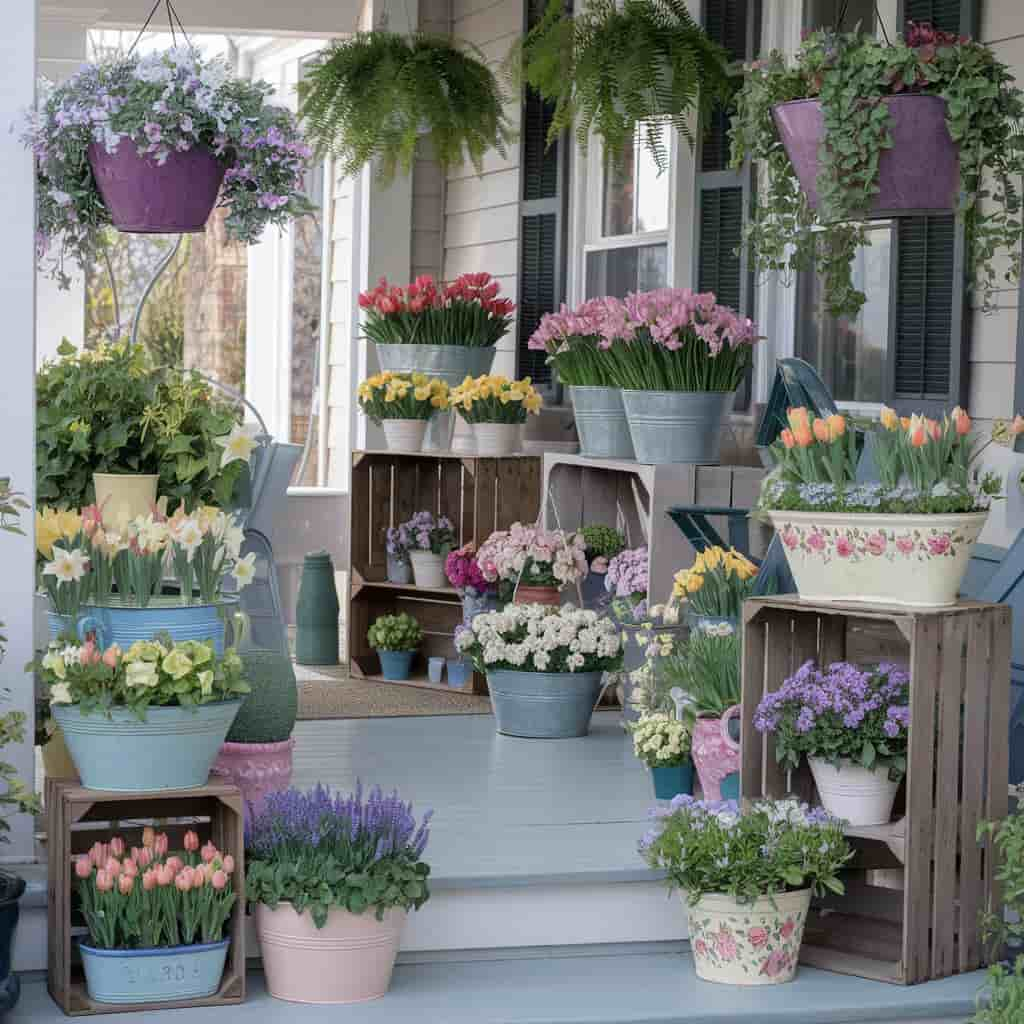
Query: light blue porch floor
626, 989
506, 809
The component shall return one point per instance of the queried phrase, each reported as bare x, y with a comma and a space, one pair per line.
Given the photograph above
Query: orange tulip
934, 429
821, 431
919, 438
1017, 426
787, 438
798, 419
905, 422
836, 426
889, 418
963, 422
803, 437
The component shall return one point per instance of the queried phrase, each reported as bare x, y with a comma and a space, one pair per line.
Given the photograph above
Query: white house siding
339, 343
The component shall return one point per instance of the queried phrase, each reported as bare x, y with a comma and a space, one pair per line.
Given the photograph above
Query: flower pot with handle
901, 559
601, 422
677, 426
404, 435
497, 439
920, 172
349, 960
670, 780
124, 496
428, 569
853, 793
11, 890
715, 753
543, 705
163, 975
147, 197
748, 943
174, 748
396, 665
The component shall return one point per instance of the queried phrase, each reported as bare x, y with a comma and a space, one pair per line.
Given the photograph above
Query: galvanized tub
677, 426
544, 705
601, 423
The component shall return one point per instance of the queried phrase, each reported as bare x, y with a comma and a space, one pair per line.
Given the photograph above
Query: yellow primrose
177, 664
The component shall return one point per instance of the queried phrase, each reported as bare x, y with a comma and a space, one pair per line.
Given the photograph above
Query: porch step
541, 988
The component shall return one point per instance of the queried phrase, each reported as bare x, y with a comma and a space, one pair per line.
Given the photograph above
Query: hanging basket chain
172, 20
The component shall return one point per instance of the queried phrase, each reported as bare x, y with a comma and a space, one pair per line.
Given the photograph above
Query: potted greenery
373, 95
576, 343
714, 588
403, 404
531, 565
395, 638
16, 796
150, 717
851, 725
905, 539
149, 142
496, 408
156, 920
108, 416
600, 544
333, 879
543, 666
855, 127
615, 65
662, 742
747, 880
430, 540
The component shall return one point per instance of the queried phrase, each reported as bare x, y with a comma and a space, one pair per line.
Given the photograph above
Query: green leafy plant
616, 65
1001, 1001
852, 75
602, 541
395, 633
375, 93
110, 410
706, 665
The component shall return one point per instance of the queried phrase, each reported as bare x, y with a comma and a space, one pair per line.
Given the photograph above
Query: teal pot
174, 748
460, 673
123, 624
601, 423
672, 779
451, 363
396, 665
165, 975
11, 889
316, 612
677, 426
544, 705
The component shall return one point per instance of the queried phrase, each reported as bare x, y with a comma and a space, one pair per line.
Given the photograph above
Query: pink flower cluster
672, 315
605, 320
462, 570
627, 573
505, 554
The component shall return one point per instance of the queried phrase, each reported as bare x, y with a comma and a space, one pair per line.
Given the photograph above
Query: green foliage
110, 410
706, 665
602, 541
374, 94
395, 633
615, 66
1002, 999
267, 714
852, 74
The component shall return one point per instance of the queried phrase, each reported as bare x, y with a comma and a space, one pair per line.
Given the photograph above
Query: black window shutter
941, 14
721, 235
538, 258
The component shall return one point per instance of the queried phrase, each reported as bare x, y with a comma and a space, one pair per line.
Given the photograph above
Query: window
827, 14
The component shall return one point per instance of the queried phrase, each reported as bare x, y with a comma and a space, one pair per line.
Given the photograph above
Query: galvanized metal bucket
544, 705
601, 423
677, 426
451, 363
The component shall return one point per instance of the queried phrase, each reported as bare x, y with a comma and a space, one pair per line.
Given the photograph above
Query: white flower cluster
539, 638
660, 739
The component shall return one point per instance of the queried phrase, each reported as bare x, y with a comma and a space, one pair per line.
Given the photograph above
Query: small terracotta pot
349, 960
538, 595
715, 753
256, 769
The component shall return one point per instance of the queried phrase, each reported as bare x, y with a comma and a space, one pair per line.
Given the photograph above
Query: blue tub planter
544, 705
124, 624
59, 625
396, 665
174, 748
672, 779
153, 975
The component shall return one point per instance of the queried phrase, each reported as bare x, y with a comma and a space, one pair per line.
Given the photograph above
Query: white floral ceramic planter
916, 560
748, 944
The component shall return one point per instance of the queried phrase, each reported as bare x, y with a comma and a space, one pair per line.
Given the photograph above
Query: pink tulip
219, 880
160, 844
149, 879
208, 852
104, 881
164, 875
87, 653
175, 864
228, 863
98, 854
83, 866
117, 846
191, 841
144, 857
183, 882
113, 866
125, 884
111, 656
198, 878
129, 868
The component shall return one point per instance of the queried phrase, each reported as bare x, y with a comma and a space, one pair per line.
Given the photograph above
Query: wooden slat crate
916, 887
78, 817
479, 496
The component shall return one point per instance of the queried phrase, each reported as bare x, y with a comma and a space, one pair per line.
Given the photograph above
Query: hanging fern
612, 67
373, 96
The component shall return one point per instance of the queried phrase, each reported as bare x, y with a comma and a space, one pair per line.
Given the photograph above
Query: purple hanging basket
921, 173
145, 197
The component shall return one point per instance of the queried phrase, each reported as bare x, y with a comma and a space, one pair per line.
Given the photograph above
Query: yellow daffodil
47, 532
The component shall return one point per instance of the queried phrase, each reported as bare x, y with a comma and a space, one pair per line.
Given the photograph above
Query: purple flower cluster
627, 573
463, 572
424, 532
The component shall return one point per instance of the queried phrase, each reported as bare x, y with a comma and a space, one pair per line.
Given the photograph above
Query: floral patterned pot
715, 753
748, 944
916, 560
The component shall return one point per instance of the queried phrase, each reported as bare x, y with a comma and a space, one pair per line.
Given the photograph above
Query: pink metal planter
257, 769
715, 753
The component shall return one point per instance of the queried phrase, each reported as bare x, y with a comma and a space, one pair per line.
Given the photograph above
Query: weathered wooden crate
916, 887
78, 817
634, 497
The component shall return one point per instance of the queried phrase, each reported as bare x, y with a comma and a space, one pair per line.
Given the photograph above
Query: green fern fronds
375, 94
610, 68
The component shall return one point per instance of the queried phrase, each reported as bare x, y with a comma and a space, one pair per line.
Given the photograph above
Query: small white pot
497, 438
917, 560
428, 569
404, 435
748, 943
853, 793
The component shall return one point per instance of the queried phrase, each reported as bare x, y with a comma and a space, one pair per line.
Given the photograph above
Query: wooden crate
916, 887
634, 497
479, 496
78, 817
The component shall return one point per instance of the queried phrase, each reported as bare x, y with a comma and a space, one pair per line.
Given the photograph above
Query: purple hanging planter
921, 173
145, 197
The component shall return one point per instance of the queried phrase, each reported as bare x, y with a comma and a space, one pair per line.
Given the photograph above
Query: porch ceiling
264, 17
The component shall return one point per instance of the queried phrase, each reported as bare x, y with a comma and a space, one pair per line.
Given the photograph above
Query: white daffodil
238, 445
67, 566
245, 570
190, 536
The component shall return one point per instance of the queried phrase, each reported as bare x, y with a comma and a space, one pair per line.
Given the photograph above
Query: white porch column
17, 410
